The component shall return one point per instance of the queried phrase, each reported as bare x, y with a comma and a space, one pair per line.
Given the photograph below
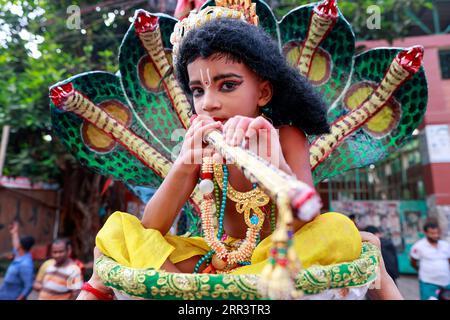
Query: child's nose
211, 101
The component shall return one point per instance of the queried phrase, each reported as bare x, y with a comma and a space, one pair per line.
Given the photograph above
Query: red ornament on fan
411, 58
327, 8
145, 22
59, 94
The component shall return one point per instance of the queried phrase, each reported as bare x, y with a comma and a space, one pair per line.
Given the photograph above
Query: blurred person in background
59, 278
18, 281
431, 257
352, 217
388, 252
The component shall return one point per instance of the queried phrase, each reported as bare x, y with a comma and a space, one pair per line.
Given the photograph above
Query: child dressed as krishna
239, 84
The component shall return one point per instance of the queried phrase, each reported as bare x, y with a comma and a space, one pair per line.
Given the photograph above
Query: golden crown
225, 9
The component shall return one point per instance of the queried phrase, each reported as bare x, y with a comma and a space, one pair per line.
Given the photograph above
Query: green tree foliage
39, 46
395, 22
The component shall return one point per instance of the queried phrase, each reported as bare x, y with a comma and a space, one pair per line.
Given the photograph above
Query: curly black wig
294, 102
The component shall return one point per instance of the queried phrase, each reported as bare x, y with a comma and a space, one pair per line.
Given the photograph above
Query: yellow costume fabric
330, 238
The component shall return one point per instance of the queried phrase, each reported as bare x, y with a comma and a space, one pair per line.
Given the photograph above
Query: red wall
35, 210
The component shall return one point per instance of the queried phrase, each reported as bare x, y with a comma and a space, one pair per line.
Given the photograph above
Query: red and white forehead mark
207, 82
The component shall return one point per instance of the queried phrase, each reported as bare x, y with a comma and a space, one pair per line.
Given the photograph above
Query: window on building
444, 58
399, 177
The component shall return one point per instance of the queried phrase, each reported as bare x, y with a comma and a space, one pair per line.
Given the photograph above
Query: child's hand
96, 282
258, 135
384, 288
194, 148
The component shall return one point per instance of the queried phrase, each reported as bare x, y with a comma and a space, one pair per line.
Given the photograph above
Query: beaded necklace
223, 257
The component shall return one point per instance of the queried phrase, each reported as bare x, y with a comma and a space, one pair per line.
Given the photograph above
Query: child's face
222, 88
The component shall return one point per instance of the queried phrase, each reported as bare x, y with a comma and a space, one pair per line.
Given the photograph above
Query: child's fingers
194, 137
239, 131
229, 127
192, 128
197, 125
265, 132
370, 237
256, 124
200, 118
198, 122
205, 129
192, 119
195, 153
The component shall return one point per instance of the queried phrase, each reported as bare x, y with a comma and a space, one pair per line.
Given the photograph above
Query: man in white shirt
431, 257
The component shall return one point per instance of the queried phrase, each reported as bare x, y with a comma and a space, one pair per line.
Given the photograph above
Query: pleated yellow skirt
330, 238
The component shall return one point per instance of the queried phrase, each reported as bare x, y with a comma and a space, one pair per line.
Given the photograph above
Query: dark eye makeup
225, 86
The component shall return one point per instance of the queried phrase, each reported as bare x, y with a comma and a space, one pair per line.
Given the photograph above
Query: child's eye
229, 86
197, 92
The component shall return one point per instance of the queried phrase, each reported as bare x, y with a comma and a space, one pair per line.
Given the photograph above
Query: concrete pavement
409, 287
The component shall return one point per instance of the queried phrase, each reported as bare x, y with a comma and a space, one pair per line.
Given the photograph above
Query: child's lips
223, 120
220, 119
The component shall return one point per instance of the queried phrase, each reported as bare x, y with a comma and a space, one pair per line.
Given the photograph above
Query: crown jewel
225, 9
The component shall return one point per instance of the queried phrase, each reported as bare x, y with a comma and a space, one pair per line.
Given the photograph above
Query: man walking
431, 257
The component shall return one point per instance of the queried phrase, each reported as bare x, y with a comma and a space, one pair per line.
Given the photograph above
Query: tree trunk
80, 205
84, 209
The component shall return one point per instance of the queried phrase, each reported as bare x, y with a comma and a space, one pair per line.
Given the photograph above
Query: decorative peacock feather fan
127, 125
